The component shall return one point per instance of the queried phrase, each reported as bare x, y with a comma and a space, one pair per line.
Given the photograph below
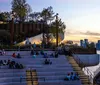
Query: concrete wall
87, 59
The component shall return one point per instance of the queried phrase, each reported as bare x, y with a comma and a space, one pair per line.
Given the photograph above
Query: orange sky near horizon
77, 37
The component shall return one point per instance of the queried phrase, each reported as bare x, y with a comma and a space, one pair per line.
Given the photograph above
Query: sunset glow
82, 17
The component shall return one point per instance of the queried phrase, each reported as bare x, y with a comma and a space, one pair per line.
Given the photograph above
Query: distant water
93, 68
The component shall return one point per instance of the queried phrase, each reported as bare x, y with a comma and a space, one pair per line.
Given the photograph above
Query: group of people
52, 55
72, 76
11, 64
47, 61
64, 50
16, 56
34, 52
45, 55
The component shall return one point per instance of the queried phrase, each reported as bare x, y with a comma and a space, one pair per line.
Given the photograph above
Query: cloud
90, 33
71, 32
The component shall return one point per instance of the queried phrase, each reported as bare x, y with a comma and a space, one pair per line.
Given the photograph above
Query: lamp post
12, 27
57, 30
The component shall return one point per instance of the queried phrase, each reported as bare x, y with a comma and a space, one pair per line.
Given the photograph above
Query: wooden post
12, 30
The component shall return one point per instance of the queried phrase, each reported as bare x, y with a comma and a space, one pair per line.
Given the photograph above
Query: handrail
81, 64
43, 78
31, 79
97, 71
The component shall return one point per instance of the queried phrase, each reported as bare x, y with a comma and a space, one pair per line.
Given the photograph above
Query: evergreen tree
21, 8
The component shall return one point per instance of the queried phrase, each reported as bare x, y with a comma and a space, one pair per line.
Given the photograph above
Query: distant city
84, 43
98, 45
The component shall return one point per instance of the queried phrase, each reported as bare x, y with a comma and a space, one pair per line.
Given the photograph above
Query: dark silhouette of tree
21, 8
4, 37
35, 16
4, 16
47, 14
46, 17
61, 27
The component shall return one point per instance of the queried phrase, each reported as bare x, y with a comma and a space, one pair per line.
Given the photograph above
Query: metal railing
31, 79
85, 69
97, 72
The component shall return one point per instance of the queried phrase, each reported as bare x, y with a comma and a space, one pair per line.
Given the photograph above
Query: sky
82, 17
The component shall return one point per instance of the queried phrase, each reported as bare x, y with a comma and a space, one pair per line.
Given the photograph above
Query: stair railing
31, 79
96, 73
98, 70
85, 69
89, 73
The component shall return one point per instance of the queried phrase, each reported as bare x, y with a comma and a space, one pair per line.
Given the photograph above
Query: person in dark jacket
56, 54
32, 52
18, 55
42, 52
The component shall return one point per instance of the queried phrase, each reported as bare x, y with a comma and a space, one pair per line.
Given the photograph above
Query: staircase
52, 74
31, 77
84, 78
